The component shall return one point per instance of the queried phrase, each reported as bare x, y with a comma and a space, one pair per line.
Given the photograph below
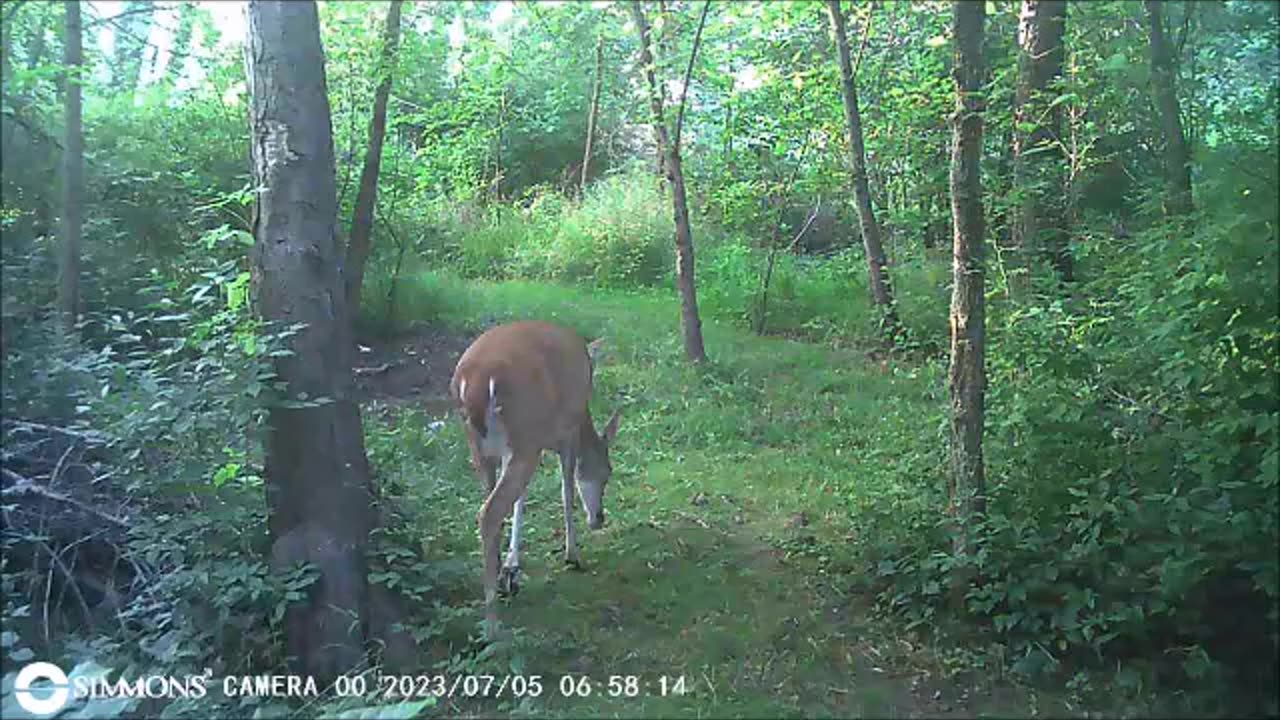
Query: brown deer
523, 388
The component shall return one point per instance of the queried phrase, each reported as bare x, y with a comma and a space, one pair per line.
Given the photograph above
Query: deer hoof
509, 581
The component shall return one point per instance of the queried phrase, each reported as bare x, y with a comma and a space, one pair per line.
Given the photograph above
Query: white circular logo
47, 699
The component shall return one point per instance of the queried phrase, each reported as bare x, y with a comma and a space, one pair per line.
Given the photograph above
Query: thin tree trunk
877, 271
181, 42
131, 29
367, 196
967, 374
495, 186
1176, 157
728, 133
6, 42
72, 173
317, 475
1039, 221
592, 114
669, 152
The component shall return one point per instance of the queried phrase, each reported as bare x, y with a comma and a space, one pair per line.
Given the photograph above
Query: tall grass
619, 236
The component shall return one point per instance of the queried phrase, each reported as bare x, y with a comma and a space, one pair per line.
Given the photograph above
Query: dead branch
25, 486
92, 437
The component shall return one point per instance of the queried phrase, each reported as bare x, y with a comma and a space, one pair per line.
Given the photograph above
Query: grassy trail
739, 495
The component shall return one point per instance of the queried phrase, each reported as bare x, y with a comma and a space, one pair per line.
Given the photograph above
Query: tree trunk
131, 30
181, 42
1176, 157
877, 271
669, 153
592, 115
72, 173
1039, 220
367, 196
967, 375
317, 476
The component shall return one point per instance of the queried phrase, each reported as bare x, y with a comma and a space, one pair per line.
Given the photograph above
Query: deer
522, 388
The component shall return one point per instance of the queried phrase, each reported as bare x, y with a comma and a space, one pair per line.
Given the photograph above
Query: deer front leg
568, 459
516, 471
510, 578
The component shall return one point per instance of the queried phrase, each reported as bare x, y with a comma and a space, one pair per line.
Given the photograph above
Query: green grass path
734, 513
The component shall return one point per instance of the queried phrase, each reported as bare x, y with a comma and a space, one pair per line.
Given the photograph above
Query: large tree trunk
367, 197
1039, 221
669, 152
317, 476
592, 116
1176, 157
877, 267
72, 173
967, 375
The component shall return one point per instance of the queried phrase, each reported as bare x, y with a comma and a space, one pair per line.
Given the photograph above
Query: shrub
1131, 441
620, 235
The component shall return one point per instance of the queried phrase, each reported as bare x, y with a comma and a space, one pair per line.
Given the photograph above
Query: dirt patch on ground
414, 367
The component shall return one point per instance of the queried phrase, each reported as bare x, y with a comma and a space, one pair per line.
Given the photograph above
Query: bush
1132, 439
620, 235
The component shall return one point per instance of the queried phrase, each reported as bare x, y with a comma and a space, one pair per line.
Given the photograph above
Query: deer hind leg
568, 459
510, 577
486, 468
516, 471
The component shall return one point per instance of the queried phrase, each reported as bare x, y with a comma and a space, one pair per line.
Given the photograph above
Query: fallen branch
24, 486
373, 370
88, 436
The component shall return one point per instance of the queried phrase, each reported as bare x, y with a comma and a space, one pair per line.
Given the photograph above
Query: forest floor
722, 582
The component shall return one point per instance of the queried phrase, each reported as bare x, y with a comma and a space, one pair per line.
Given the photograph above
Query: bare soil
414, 367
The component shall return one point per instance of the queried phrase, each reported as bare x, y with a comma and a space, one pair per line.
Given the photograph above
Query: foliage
618, 235
1152, 484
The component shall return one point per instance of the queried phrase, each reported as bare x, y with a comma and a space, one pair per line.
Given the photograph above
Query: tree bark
72, 173
877, 266
967, 374
592, 114
361, 241
1176, 156
669, 153
317, 475
1039, 221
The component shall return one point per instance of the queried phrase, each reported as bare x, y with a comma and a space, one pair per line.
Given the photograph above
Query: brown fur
541, 375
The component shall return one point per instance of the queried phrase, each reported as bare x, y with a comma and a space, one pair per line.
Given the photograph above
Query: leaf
103, 708
1064, 97
225, 473
1116, 63
397, 711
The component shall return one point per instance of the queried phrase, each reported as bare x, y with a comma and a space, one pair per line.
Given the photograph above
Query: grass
742, 493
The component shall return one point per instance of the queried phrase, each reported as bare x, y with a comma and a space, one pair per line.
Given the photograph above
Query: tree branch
25, 486
136, 11
174, 53
866, 33
684, 89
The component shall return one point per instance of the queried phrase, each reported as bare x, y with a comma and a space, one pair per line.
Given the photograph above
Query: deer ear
595, 349
611, 427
